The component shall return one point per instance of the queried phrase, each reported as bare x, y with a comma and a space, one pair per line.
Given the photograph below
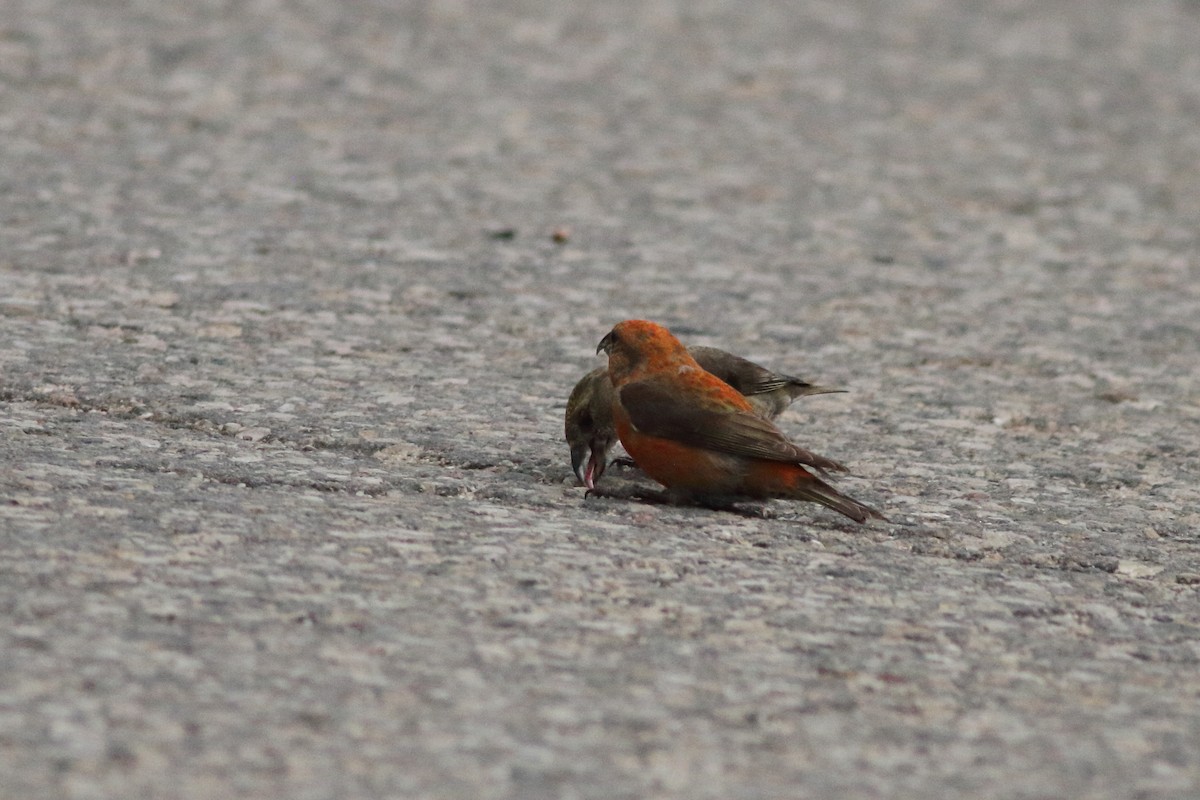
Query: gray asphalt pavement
292, 295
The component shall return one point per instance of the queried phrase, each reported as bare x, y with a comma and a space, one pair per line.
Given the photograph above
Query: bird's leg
625, 491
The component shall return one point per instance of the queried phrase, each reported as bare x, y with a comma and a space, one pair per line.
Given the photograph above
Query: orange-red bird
591, 433
696, 435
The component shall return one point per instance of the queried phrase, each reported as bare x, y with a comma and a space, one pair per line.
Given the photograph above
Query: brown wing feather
656, 411
740, 373
769, 392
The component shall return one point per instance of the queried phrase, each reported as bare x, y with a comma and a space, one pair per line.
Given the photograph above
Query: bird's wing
657, 409
752, 379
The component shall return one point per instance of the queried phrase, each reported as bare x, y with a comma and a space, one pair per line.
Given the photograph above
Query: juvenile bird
696, 435
589, 427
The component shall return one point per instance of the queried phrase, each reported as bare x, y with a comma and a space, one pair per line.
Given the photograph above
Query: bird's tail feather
802, 389
817, 491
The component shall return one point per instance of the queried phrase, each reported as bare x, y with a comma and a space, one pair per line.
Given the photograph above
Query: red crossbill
696, 435
589, 427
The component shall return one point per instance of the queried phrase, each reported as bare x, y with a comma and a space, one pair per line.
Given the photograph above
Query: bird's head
588, 426
637, 342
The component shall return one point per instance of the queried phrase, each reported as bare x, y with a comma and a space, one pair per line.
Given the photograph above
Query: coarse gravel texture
292, 295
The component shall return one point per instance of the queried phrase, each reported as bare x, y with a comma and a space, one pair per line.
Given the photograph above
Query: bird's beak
595, 468
606, 344
579, 458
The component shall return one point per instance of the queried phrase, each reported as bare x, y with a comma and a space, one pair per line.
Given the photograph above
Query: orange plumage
699, 437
